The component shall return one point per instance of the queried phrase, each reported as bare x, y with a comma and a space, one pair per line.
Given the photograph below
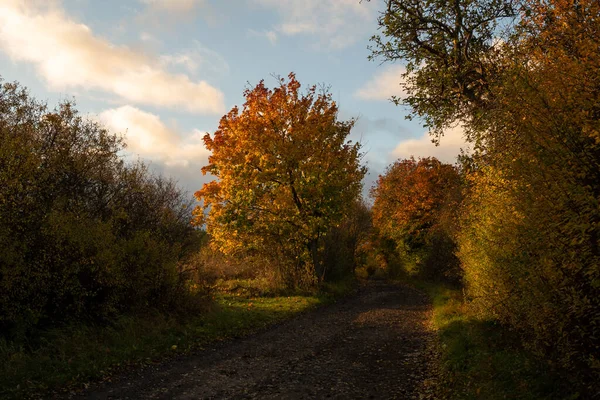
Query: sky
163, 72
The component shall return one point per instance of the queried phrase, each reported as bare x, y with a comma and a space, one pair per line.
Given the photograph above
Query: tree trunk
313, 247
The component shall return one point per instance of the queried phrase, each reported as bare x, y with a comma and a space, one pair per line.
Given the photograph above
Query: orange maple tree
414, 216
285, 173
412, 195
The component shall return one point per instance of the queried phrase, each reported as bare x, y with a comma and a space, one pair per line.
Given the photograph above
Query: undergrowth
481, 359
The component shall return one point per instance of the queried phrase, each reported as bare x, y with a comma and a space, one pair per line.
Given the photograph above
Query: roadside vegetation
101, 268
68, 358
105, 265
479, 358
521, 78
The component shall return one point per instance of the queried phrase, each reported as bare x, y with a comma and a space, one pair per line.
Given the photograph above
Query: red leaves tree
415, 204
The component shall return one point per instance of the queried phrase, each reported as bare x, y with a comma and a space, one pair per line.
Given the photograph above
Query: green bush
84, 235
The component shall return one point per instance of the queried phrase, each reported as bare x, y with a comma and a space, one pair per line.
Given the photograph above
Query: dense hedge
530, 239
83, 234
523, 78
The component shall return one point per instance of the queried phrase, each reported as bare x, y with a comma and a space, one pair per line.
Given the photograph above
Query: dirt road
375, 345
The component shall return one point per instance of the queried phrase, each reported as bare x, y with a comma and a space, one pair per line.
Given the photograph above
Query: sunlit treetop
284, 168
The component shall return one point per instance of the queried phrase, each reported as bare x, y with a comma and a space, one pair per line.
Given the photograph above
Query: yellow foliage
285, 174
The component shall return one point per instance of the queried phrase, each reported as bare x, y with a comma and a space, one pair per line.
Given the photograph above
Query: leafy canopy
522, 77
416, 202
411, 196
285, 171
451, 51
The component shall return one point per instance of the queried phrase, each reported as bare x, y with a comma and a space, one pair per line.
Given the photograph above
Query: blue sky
163, 72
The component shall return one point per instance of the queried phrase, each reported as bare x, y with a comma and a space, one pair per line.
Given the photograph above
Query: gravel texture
377, 344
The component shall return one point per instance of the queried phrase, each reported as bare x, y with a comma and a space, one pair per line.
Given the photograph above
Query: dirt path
374, 345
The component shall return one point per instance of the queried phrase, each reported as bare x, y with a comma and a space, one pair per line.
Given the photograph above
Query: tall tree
285, 171
451, 51
525, 84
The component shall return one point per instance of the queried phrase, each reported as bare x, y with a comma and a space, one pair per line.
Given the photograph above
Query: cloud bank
384, 85
450, 146
68, 55
339, 23
150, 138
173, 6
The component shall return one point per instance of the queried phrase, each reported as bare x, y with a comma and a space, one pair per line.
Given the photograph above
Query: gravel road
375, 345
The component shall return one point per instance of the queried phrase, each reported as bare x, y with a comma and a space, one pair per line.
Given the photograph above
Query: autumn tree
415, 206
286, 173
531, 238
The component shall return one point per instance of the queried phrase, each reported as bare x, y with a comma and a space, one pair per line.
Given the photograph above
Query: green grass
66, 358
481, 359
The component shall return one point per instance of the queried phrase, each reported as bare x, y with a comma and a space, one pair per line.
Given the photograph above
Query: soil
377, 344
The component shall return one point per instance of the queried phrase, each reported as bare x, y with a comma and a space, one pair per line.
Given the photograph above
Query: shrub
84, 235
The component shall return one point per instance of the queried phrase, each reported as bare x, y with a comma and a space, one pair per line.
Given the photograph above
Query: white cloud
147, 136
271, 36
339, 23
447, 151
198, 59
384, 85
175, 6
68, 55
149, 40
187, 60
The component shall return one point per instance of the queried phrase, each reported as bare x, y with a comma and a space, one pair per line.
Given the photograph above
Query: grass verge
481, 359
65, 359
